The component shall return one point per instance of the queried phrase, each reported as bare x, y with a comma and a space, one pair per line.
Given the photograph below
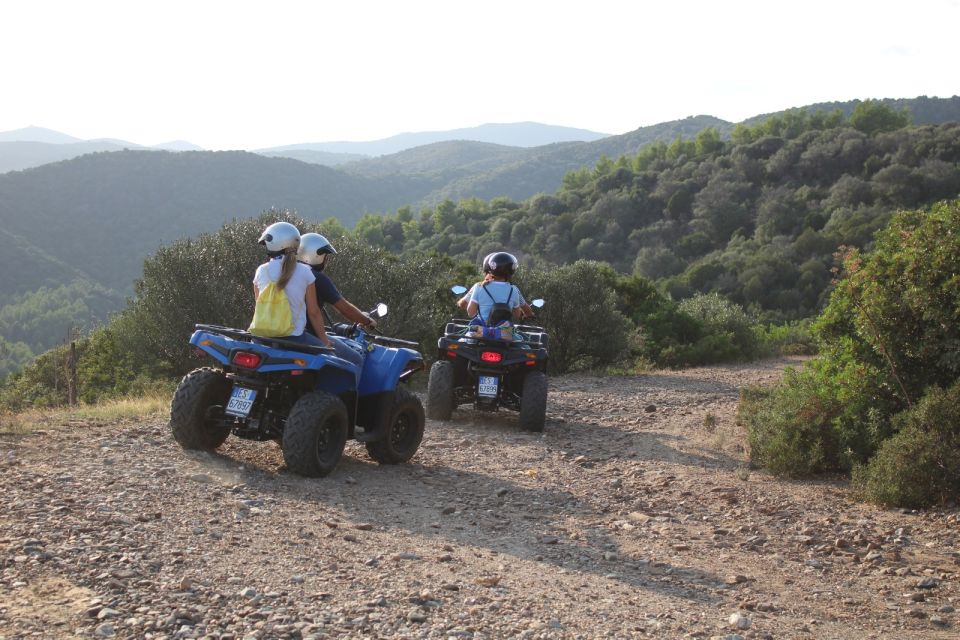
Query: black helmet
500, 264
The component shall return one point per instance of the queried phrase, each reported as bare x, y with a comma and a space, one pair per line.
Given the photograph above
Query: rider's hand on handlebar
369, 323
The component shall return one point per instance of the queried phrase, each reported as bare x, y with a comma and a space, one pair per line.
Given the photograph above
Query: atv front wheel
315, 434
533, 402
402, 433
440, 391
201, 397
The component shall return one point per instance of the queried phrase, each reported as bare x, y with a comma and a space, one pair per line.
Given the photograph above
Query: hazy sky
244, 75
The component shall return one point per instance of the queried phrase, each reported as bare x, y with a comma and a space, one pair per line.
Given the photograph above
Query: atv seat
290, 345
279, 343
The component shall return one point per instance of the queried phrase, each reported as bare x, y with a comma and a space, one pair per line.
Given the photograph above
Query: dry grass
113, 411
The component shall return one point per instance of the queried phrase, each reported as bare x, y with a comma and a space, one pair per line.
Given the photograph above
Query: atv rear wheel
402, 432
440, 391
201, 396
315, 434
533, 402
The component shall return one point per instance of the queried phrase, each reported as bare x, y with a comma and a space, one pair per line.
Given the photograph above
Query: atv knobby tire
315, 434
440, 391
533, 402
201, 393
402, 432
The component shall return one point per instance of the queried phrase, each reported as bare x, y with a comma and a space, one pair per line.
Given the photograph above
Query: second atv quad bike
490, 373
303, 397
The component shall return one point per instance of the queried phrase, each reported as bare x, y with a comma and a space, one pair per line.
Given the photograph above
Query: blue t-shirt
495, 292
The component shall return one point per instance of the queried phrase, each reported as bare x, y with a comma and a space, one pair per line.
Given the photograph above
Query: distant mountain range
35, 146
517, 134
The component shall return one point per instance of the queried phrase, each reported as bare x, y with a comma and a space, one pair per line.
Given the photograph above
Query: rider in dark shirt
315, 251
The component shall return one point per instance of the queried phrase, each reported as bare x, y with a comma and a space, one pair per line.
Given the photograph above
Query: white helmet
280, 236
314, 249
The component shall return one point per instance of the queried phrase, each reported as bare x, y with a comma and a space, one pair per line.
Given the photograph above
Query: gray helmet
313, 249
280, 236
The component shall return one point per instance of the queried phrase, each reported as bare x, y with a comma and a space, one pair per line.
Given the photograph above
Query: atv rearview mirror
458, 289
381, 310
537, 303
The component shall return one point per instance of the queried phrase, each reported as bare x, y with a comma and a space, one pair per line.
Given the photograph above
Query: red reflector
491, 356
452, 354
296, 372
246, 360
530, 363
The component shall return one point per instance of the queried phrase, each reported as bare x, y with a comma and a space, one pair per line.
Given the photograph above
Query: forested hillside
756, 218
18, 155
103, 213
698, 205
922, 109
76, 232
470, 170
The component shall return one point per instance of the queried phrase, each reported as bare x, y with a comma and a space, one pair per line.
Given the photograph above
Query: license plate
488, 386
241, 401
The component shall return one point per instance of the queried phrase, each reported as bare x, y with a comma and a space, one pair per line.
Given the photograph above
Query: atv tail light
531, 363
491, 356
452, 354
297, 372
246, 359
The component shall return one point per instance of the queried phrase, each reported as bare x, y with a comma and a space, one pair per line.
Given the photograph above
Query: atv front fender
383, 367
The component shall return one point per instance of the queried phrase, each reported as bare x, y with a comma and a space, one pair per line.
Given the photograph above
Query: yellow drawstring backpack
271, 315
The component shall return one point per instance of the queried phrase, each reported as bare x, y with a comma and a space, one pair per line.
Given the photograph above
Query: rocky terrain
634, 515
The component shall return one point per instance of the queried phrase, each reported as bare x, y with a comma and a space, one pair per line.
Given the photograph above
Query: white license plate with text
487, 386
241, 401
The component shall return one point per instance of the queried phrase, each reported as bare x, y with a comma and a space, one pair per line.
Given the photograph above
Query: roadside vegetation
882, 400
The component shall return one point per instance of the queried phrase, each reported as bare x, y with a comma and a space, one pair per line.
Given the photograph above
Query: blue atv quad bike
490, 370
303, 397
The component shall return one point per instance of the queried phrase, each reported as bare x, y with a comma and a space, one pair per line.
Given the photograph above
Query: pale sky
239, 74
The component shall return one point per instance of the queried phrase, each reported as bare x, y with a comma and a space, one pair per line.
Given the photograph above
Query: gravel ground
634, 515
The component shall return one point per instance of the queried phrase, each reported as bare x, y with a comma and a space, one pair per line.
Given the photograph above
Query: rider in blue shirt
496, 288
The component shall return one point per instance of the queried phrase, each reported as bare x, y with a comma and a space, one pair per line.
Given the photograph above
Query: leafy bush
902, 300
788, 339
586, 328
889, 333
728, 330
789, 427
827, 416
920, 465
43, 383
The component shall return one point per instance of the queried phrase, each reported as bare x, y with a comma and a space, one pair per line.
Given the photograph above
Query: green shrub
789, 339
901, 302
727, 333
920, 465
827, 416
586, 329
889, 332
789, 427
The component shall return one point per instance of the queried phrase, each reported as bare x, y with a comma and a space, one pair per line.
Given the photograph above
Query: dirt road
634, 515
